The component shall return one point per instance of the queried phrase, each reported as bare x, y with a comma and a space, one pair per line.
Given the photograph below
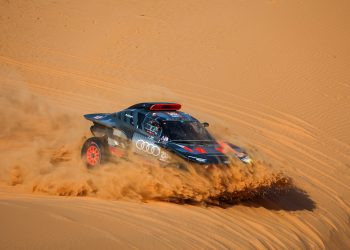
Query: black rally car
158, 130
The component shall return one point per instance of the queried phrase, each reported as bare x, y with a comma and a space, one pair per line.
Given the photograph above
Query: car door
145, 137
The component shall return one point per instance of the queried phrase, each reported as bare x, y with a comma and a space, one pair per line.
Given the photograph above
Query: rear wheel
94, 152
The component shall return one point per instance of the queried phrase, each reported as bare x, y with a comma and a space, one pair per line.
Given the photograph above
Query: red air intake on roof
165, 106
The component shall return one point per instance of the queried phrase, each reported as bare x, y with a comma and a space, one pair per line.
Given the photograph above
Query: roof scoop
165, 107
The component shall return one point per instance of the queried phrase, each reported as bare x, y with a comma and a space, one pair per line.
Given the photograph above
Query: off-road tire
95, 152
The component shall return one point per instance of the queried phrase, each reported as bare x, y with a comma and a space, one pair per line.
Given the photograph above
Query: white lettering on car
98, 117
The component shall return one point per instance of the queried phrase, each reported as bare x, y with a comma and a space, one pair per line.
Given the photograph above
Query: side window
152, 127
126, 117
119, 115
130, 118
140, 119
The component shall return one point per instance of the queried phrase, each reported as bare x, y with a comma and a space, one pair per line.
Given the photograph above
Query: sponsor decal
174, 114
98, 117
164, 156
164, 139
148, 147
198, 159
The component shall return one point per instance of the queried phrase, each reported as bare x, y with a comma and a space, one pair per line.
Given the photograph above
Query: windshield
185, 131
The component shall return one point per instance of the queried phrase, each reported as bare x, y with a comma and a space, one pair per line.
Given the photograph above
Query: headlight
247, 160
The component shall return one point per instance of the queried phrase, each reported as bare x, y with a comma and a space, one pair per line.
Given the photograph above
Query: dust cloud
41, 152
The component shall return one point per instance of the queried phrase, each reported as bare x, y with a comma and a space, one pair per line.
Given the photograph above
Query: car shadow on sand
293, 199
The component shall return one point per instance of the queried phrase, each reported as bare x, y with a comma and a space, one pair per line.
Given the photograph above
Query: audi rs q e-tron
157, 130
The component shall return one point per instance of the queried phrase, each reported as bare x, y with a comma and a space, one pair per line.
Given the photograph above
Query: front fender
234, 151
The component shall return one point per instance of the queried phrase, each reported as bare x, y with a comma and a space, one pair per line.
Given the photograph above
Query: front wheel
94, 152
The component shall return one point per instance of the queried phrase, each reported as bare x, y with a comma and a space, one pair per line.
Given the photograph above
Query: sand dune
272, 76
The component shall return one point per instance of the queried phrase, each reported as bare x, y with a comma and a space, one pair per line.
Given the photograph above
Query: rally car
157, 130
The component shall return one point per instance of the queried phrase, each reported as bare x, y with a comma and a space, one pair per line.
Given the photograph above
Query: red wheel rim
93, 155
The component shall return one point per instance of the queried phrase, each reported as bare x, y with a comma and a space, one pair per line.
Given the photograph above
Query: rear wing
105, 119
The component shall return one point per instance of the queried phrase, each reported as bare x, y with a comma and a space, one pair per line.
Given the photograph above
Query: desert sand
272, 76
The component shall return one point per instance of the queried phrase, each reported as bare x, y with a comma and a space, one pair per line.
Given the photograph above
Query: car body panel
147, 132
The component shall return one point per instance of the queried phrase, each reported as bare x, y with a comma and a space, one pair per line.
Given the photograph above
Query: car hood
211, 153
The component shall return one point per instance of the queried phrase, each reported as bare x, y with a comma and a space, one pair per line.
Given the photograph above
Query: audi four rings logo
148, 147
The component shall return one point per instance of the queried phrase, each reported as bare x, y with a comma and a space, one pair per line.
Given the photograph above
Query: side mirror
205, 124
